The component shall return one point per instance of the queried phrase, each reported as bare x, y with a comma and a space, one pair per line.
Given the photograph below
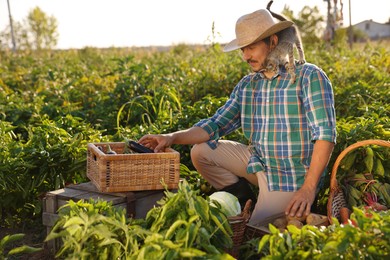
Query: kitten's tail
269, 5
275, 15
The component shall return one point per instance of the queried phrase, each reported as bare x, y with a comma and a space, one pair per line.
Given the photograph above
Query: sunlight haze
121, 23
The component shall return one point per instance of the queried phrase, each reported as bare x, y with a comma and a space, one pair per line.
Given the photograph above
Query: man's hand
156, 142
301, 202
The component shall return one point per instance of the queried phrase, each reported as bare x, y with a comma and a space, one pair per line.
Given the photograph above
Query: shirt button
267, 100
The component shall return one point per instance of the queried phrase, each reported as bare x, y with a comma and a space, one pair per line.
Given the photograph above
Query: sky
129, 23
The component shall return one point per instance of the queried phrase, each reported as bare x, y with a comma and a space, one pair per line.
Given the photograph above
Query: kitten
287, 38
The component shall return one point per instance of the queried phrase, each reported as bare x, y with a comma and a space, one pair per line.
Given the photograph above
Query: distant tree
38, 31
21, 37
357, 35
309, 21
43, 29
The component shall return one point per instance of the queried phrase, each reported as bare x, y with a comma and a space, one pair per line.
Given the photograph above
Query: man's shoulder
307, 66
310, 71
249, 77
307, 69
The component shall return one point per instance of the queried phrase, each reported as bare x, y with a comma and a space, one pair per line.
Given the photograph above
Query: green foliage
95, 230
197, 181
7, 241
42, 157
183, 226
52, 104
366, 237
188, 221
158, 106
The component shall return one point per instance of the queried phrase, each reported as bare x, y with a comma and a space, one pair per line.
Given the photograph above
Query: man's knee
197, 151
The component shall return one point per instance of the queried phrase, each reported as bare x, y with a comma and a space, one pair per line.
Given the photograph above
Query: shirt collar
261, 74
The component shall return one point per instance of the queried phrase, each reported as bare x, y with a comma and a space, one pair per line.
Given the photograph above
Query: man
290, 129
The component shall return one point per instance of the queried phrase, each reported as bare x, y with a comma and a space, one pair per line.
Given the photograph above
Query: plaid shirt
284, 119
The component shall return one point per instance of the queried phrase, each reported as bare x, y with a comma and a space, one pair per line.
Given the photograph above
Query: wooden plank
49, 219
52, 245
146, 201
51, 203
89, 186
95, 196
66, 193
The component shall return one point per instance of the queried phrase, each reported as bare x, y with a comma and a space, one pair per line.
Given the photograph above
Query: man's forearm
320, 159
193, 135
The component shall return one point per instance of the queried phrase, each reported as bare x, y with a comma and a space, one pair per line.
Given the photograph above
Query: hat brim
233, 45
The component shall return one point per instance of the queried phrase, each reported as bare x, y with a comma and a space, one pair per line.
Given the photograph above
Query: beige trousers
222, 167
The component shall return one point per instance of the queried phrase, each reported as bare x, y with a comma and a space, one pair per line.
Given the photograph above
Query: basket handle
333, 181
246, 212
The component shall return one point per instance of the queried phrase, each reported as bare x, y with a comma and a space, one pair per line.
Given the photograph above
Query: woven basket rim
245, 213
334, 187
238, 224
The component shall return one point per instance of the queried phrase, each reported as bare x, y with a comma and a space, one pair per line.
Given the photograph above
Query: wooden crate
137, 203
131, 172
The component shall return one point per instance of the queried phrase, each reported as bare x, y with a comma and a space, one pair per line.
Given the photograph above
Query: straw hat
255, 27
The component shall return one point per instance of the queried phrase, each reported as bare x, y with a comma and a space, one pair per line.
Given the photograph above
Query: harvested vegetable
372, 201
109, 150
316, 220
280, 223
295, 222
229, 203
364, 180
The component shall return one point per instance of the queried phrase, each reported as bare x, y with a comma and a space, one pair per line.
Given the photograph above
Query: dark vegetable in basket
109, 150
372, 200
139, 148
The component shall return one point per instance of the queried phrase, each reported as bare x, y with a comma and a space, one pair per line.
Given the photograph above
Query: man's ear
273, 41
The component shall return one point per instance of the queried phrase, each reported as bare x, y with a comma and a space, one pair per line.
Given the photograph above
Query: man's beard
262, 66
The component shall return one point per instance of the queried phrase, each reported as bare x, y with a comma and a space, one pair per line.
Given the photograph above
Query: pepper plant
366, 236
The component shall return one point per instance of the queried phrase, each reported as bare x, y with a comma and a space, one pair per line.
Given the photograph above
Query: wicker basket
336, 197
238, 224
131, 172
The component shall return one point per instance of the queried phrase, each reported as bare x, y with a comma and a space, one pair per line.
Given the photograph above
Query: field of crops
53, 104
